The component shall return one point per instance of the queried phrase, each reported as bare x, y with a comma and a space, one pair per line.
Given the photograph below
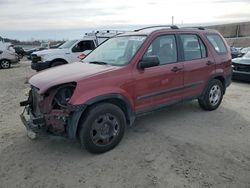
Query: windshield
247, 55
68, 44
116, 51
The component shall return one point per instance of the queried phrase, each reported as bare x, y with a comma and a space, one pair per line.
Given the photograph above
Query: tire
102, 128
213, 95
5, 64
57, 63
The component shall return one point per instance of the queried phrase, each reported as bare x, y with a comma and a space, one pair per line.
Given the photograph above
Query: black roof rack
169, 26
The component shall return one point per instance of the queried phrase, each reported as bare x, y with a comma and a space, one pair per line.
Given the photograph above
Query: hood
51, 51
241, 60
72, 72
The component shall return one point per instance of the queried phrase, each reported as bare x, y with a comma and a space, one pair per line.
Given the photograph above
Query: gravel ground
182, 146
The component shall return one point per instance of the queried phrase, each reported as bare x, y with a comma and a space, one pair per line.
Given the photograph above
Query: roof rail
169, 26
199, 27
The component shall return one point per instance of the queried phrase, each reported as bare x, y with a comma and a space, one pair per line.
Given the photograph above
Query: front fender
86, 101
100, 93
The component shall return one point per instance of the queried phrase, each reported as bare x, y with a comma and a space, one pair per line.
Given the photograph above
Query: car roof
153, 29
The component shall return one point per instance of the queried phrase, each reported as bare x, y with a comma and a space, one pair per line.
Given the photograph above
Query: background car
245, 50
20, 51
29, 52
235, 52
7, 58
241, 67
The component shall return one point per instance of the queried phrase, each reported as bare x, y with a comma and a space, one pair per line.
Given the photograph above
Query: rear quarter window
217, 43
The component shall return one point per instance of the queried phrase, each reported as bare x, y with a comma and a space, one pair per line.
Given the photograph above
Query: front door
163, 84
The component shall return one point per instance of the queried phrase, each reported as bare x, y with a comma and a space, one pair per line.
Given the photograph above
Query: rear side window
217, 43
193, 47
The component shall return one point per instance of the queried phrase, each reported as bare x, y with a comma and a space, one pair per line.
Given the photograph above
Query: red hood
65, 74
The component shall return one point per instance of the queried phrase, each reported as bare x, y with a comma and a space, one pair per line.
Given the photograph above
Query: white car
8, 57
70, 51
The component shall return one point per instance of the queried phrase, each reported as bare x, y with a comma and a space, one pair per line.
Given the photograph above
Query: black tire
213, 95
104, 122
57, 63
5, 64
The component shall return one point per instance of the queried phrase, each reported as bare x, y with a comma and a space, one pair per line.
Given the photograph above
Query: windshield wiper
98, 62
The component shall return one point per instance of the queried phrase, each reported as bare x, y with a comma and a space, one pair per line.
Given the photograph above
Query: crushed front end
49, 112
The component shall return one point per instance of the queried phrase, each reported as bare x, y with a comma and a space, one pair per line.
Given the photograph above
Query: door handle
176, 69
210, 62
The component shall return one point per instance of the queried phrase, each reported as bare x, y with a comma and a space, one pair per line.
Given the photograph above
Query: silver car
7, 58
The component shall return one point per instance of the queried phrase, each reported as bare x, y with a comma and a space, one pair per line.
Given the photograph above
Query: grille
35, 58
241, 67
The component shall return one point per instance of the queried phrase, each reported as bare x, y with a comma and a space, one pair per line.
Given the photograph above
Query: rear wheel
103, 128
213, 96
5, 64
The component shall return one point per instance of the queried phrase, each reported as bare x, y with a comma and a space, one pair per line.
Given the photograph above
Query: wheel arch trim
74, 120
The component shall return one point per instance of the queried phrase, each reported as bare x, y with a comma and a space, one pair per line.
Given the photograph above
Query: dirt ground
182, 146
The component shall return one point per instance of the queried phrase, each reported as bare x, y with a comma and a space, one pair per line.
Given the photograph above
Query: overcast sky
48, 19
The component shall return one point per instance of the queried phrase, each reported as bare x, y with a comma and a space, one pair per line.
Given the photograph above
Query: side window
193, 47
217, 43
165, 48
84, 45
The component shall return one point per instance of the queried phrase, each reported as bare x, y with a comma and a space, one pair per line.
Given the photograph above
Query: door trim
162, 92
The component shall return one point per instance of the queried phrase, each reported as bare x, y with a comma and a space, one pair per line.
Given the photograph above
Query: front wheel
102, 128
5, 64
213, 96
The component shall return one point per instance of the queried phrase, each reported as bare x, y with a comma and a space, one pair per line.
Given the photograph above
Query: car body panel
9, 55
65, 74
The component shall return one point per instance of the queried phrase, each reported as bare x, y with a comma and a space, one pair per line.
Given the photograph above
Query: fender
224, 82
76, 116
58, 59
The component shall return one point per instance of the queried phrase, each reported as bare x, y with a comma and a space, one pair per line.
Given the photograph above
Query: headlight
43, 57
63, 95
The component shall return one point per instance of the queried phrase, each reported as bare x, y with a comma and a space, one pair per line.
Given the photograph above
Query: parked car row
71, 51
126, 76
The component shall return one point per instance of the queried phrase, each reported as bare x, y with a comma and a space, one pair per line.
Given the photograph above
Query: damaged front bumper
33, 125
57, 121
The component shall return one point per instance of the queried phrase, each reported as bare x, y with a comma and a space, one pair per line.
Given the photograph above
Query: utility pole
172, 20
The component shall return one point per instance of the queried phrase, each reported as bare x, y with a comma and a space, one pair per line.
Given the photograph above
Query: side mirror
149, 61
1, 52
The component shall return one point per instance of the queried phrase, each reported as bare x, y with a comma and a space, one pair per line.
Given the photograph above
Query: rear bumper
38, 66
15, 60
240, 75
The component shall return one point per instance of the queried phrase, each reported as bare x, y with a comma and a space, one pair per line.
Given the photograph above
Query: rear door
198, 64
160, 85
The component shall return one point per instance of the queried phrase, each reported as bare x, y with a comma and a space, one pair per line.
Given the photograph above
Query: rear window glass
217, 43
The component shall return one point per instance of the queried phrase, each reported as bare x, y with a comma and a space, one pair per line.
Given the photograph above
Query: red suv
128, 75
